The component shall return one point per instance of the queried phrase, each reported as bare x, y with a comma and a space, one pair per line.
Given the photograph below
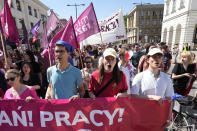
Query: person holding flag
35, 31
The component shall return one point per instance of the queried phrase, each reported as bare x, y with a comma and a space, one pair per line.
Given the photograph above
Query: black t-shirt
3, 83
36, 67
166, 60
178, 70
136, 58
33, 80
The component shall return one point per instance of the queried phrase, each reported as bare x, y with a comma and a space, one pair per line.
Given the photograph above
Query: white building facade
180, 23
31, 11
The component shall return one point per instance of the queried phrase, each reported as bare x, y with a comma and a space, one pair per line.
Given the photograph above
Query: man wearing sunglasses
65, 80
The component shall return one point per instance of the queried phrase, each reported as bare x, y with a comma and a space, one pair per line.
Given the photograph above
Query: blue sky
103, 8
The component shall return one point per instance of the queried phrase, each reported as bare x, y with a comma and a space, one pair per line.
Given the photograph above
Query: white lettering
44, 119
77, 119
92, 113
17, 117
64, 118
109, 116
4, 118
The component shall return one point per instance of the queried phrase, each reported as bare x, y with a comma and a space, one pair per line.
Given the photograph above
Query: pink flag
67, 34
52, 24
86, 24
8, 24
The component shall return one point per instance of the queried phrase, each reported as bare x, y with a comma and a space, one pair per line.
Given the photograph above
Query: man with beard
152, 83
86, 73
108, 80
65, 80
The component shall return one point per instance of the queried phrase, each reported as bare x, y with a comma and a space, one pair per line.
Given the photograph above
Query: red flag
86, 24
8, 24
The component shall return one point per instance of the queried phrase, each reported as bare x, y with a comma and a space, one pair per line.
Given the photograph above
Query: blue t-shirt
64, 83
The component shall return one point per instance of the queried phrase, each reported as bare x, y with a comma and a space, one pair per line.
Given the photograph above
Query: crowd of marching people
136, 70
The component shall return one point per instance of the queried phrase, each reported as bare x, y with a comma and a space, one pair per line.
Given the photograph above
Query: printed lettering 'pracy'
62, 118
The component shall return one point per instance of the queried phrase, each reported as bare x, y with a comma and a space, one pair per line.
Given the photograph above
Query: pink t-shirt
30, 91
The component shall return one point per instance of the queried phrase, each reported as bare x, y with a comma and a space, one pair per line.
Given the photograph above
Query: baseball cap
67, 45
110, 52
154, 51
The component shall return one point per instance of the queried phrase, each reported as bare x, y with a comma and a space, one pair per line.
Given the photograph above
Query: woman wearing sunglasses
18, 90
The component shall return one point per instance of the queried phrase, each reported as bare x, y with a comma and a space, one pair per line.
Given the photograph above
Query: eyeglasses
11, 78
88, 62
59, 51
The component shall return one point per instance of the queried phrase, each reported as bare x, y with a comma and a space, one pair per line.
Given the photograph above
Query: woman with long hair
108, 80
18, 90
28, 77
184, 74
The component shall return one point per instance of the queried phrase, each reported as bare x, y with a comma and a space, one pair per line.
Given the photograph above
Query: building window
154, 22
22, 21
141, 22
141, 13
18, 5
154, 13
160, 21
43, 17
29, 8
182, 4
32, 25
147, 31
147, 22
159, 31
161, 13
148, 13
174, 6
153, 30
35, 13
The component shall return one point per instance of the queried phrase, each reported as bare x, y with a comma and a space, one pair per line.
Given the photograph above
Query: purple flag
86, 24
8, 24
35, 31
36, 28
25, 33
52, 24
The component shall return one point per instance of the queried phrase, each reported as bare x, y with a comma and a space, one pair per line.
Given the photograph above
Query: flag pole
49, 56
3, 43
4, 52
80, 58
98, 25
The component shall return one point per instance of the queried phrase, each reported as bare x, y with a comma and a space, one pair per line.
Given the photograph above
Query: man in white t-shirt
152, 83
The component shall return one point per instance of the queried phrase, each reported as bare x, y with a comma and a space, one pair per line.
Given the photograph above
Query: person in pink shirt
18, 90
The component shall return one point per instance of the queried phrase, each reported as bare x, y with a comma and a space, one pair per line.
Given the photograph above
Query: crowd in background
26, 68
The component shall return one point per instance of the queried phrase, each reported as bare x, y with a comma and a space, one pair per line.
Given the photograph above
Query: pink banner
102, 114
86, 24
